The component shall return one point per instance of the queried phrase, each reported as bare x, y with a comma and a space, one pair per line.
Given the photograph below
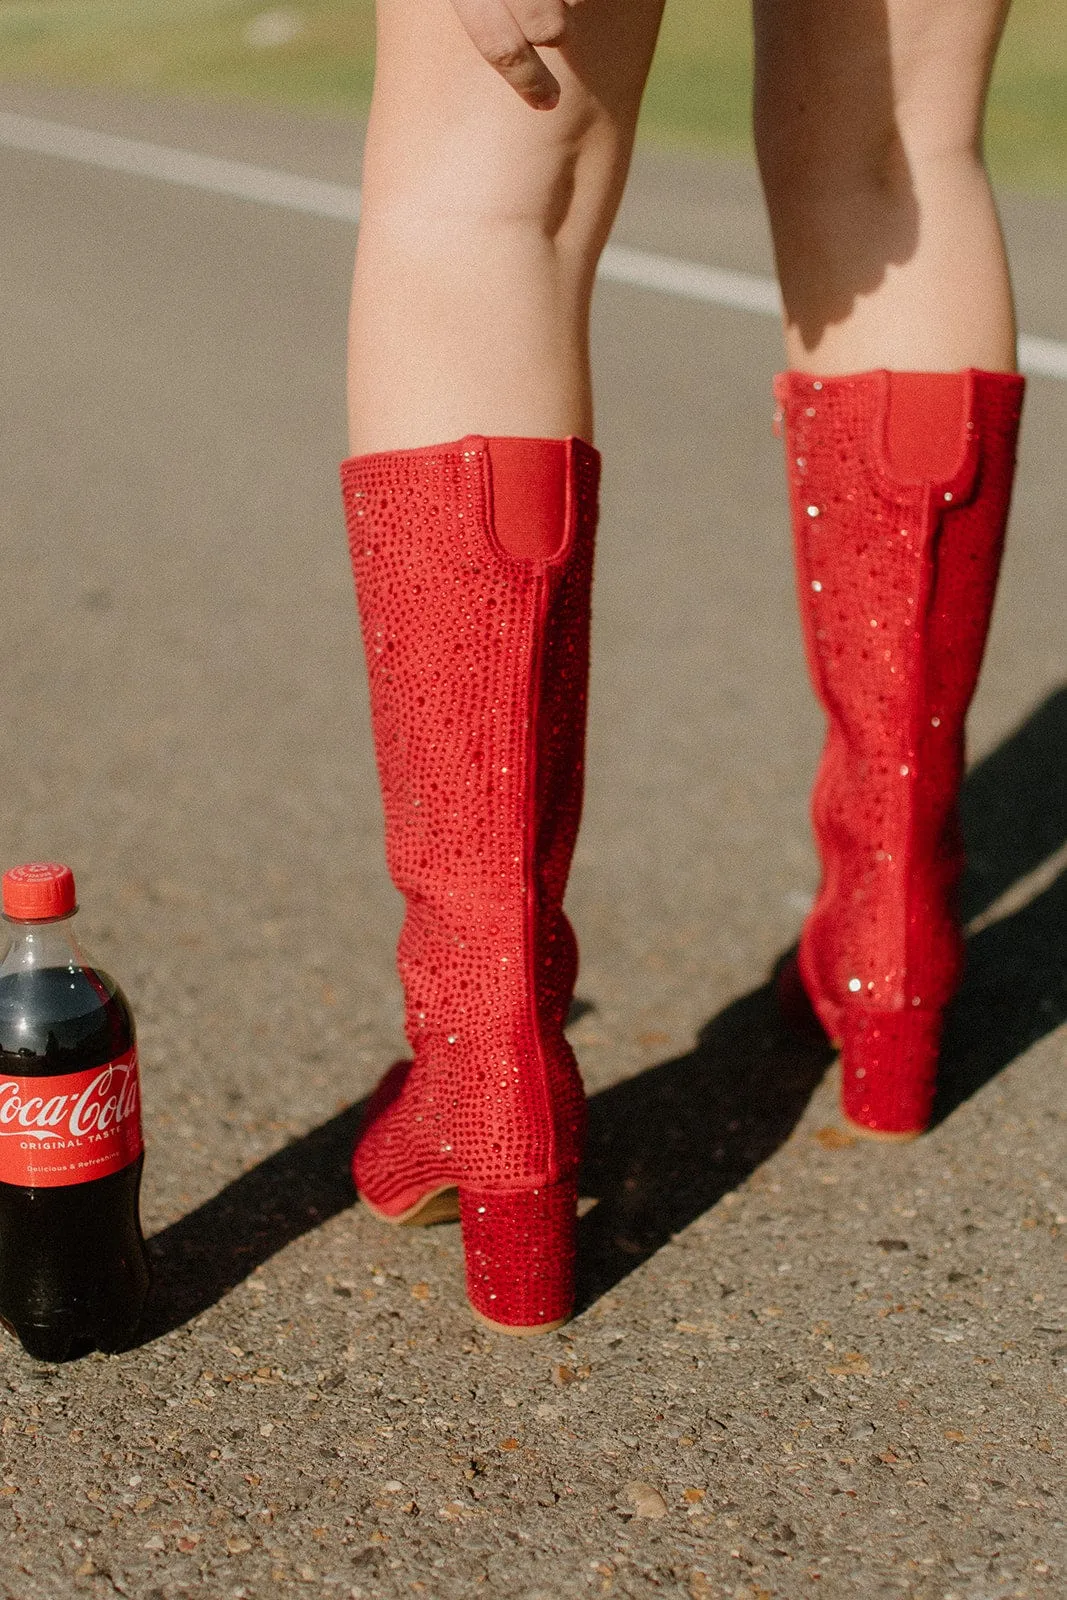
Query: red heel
899, 488
473, 565
520, 1249
889, 1071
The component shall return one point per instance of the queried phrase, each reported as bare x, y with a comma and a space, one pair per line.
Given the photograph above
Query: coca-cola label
70, 1129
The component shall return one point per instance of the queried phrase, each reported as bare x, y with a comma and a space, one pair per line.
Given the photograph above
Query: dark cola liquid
73, 1270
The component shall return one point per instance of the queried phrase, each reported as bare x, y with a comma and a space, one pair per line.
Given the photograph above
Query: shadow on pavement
207, 1253
1014, 806
666, 1145
1014, 992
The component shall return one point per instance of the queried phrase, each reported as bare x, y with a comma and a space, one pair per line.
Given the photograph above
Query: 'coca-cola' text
70, 1128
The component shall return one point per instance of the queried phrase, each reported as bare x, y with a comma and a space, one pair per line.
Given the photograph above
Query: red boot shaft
899, 486
473, 564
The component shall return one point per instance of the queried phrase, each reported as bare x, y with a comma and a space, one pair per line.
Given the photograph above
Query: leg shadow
1014, 814
665, 1146
1014, 993
198, 1260
1014, 806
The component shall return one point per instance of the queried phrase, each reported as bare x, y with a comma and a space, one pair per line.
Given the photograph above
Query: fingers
506, 35
541, 21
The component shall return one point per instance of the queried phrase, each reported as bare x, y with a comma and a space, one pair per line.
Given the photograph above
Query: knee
852, 111
826, 150
451, 143
495, 177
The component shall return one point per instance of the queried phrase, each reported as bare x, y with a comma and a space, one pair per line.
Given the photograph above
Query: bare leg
868, 127
483, 222
868, 130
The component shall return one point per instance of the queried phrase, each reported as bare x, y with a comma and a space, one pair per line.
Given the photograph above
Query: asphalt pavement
802, 1365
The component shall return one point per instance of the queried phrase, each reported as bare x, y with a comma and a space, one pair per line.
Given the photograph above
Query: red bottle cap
38, 891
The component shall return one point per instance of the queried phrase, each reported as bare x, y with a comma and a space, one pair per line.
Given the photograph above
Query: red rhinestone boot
899, 487
473, 564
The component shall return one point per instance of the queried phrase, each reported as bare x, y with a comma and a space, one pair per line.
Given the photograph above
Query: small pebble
644, 1500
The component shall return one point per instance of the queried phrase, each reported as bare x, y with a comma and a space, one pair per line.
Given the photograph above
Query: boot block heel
888, 1071
520, 1248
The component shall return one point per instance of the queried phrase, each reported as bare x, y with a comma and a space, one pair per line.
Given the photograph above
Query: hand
505, 33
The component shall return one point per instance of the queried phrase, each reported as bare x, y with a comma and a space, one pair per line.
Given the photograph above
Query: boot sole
880, 1135
440, 1205
518, 1332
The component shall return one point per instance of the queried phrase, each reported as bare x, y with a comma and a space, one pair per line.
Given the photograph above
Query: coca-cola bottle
73, 1270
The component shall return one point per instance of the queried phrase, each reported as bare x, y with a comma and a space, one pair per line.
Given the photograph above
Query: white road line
1043, 358
240, 180
689, 280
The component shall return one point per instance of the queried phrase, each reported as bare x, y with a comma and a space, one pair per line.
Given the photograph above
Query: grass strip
319, 55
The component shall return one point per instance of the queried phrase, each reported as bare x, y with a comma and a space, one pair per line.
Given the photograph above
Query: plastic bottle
73, 1268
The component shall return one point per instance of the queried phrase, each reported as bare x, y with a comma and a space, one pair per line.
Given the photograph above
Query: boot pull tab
929, 429
528, 494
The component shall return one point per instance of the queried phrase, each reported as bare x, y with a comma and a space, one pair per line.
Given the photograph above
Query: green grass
699, 89
698, 94
194, 46
1027, 127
